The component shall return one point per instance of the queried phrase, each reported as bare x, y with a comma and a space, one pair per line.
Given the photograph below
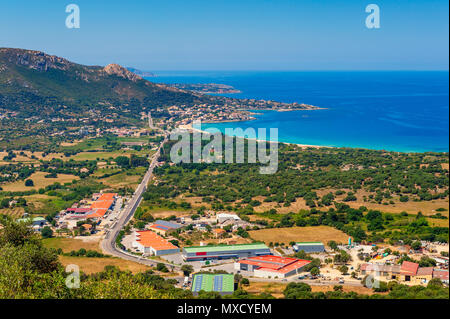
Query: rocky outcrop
120, 71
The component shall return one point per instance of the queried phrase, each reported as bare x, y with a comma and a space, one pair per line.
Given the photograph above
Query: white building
223, 217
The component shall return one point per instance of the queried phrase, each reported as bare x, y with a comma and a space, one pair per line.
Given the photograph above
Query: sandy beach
190, 128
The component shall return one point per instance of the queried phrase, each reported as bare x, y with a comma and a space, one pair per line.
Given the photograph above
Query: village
316, 263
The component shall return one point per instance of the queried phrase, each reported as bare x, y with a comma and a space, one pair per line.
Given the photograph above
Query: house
219, 232
408, 270
222, 217
87, 227
163, 227
441, 274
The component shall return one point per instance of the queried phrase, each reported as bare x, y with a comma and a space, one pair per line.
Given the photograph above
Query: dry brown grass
39, 182
426, 207
434, 222
69, 244
94, 265
16, 212
273, 288
359, 290
299, 234
299, 203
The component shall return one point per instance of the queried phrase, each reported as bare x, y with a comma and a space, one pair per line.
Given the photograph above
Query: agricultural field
299, 234
39, 182
16, 212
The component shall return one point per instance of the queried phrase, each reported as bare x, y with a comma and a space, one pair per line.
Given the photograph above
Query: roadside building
271, 266
310, 247
442, 275
148, 242
423, 275
225, 251
221, 283
163, 227
383, 271
408, 270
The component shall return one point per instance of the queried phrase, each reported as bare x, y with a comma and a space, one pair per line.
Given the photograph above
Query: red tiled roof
441, 274
409, 268
148, 238
99, 213
425, 271
275, 263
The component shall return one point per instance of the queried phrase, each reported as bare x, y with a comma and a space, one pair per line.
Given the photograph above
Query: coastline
190, 128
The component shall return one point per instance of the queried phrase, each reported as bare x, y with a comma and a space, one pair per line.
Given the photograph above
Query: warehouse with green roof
219, 252
221, 283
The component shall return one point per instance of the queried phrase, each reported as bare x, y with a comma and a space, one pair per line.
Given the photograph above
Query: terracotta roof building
149, 242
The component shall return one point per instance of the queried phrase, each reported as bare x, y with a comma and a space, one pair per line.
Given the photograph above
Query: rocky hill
34, 83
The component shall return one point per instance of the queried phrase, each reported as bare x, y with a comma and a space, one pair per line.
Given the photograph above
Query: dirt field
16, 212
69, 244
438, 222
359, 290
39, 182
124, 180
93, 265
300, 203
276, 289
299, 234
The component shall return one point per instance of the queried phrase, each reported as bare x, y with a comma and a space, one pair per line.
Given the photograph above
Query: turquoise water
397, 111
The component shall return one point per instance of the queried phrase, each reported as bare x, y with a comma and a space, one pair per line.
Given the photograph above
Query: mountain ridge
31, 79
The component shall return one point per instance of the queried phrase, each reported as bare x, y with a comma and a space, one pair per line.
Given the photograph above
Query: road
108, 243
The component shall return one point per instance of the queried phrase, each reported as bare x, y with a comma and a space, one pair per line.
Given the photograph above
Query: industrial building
148, 242
310, 247
271, 266
222, 217
221, 283
163, 227
224, 251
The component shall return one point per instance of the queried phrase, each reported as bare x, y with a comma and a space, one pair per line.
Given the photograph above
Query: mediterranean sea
381, 110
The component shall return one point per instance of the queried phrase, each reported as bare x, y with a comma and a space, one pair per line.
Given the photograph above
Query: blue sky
235, 34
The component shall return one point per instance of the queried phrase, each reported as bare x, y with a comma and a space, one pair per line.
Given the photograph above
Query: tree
161, 267
29, 183
47, 232
332, 244
315, 271
343, 269
416, 245
123, 161
187, 270
245, 282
